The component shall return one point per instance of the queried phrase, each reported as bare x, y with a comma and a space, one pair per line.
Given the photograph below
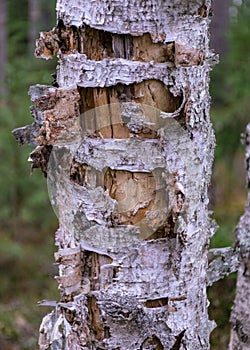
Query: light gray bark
223, 261
129, 178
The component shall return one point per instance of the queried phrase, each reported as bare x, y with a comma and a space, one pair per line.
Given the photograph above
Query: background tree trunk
34, 21
240, 320
220, 27
3, 47
127, 133
40, 15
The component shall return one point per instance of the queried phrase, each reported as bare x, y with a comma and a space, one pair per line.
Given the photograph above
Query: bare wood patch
134, 193
107, 122
166, 230
95, 319
100, 44
145, 50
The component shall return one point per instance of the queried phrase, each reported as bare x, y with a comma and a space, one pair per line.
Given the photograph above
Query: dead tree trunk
240, 320
127, 133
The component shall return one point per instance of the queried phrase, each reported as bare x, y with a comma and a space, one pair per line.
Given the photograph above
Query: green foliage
230, 86
20, 192
239, 58
10, 250
230, 89
27, 221
221, 295
23, 198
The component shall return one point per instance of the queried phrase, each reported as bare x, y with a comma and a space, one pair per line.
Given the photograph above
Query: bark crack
177, 343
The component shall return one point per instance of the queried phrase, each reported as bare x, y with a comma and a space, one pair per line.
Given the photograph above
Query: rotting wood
150, 92
99, 44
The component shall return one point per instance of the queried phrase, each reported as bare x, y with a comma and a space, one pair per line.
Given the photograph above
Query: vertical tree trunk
240, 319
220, 27
34, 20
3, 47
127, 133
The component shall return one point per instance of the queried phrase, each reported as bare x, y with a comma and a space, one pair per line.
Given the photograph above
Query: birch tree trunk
127, 133
240, 320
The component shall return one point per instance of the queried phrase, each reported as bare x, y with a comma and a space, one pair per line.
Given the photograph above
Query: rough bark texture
128, 179
240, 320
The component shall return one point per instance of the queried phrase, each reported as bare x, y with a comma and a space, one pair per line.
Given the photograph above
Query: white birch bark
131, 193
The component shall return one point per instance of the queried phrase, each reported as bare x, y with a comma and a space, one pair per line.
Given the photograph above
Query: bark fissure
177, 344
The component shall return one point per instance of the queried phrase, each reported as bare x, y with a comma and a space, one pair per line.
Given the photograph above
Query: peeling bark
127, 128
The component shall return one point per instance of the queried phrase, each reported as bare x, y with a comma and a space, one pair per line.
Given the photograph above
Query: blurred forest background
27, 221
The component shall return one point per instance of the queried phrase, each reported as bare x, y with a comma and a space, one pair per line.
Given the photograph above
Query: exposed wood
107, 121
100, 44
